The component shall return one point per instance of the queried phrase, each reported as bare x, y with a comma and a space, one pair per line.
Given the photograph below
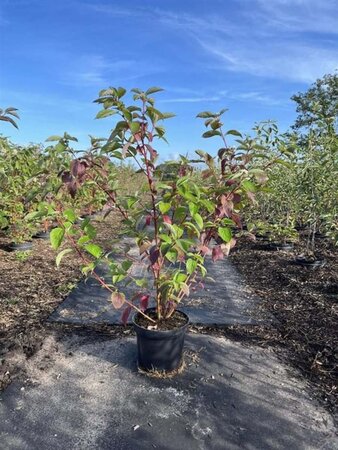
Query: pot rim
17, 244
162, 333
306, 262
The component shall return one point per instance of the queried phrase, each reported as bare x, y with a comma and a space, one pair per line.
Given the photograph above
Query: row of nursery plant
302, 192
36, 181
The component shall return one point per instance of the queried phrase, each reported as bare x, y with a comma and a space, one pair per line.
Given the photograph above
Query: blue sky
247, 55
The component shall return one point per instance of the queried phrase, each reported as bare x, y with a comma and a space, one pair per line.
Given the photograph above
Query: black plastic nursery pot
310, 263
42, 235
21, 247
283, 246
160, 350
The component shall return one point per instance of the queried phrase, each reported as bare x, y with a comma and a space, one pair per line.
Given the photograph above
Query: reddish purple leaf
144, 302
204, 249
148, 220
126, 314
154, 253
217, 253
236, 218
66, 177
166, 219
236, 198
72, 188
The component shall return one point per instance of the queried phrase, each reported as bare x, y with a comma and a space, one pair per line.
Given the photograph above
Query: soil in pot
160, 349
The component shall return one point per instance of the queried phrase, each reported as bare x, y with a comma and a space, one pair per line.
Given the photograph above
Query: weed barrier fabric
225, 300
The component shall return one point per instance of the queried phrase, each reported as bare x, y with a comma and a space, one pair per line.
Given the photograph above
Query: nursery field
303, 302
134, 236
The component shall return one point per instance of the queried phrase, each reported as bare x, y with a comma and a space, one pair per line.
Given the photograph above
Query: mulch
304, 303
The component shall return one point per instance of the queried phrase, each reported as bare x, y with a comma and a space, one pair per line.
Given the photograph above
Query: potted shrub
184, 214
278, 236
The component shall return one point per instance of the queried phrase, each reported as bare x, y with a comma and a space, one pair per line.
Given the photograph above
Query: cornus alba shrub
184, 212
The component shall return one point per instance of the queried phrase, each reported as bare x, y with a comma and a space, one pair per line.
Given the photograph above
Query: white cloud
296, 63
213, 98
266, 38
250, 96
300, 15
95, 70
263, 44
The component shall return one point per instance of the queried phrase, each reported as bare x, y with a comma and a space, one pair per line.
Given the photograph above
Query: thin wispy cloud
258, 42
245, 96
94, 70
98, 71
214, 98
299, 15
277, 57
301, 63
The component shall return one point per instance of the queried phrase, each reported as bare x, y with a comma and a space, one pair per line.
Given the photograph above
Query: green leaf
224, 233
233, 133
83, 240
191, 266
134, 126
211, 133
120, 92
205, 115
165, 238
126, 265
89, 229
88, 268
180, 213
69, 137
171, 256
118, 278
53, 138
94, 250
56, 237
61, 255
209, 205
185, 244
105, 113
193, 208
198, 219
202, 269
33, 215
70, 215
180, 277
164, 207
168, 115
192, 227
152, 90
141, 282
248, 186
